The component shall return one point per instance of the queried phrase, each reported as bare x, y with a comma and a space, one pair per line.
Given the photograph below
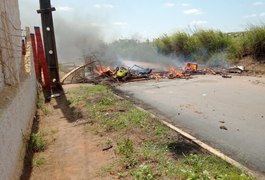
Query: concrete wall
17, 91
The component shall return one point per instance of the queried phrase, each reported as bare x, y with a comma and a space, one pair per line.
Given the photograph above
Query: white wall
17, 92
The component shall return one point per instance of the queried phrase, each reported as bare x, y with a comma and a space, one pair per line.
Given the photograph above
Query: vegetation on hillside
207, 46
202, 45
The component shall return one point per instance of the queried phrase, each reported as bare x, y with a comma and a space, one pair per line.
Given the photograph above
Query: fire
101, 70
156, 76
174, 73
193, 67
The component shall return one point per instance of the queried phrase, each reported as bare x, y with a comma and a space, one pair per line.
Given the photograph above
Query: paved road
202, 104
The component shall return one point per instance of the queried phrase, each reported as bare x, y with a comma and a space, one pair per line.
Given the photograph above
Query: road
206, 106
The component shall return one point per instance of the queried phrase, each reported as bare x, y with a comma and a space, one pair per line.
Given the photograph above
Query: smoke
75, 40
76, 33
218, 60
79, 34
131, 51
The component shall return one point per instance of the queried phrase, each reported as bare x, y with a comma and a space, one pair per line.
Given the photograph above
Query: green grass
41, 104
143, 172
38, 162
38, 143
197, 166
203, 44
141, 143
200, 46
254, 41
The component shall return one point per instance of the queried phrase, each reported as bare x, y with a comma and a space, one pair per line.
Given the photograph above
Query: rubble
223, 128
226, 76
94, 72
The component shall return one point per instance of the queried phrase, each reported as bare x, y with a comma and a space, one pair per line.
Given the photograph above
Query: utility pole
50, 44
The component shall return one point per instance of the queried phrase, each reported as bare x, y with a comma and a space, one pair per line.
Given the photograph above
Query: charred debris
94, 72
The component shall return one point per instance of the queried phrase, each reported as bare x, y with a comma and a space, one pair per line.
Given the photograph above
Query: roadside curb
202, 144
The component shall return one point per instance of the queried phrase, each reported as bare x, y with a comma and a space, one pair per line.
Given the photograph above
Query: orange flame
174, 73
156, 76
100, 70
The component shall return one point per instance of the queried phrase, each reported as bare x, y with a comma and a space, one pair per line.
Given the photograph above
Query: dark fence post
50, 44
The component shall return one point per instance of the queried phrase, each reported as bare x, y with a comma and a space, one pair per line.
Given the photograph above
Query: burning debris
174, 73
94, 72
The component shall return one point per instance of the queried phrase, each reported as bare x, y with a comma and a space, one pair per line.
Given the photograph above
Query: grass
254, 41
38, 162
38, 143
202, 45
142, 145
41, 104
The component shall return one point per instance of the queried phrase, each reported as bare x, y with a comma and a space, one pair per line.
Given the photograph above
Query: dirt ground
253, 67
72, 153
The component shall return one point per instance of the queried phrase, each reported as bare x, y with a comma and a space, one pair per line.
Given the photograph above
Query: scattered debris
223, 127
236, 69
94, 72
226, 76
222, 121
114, 110
107, 148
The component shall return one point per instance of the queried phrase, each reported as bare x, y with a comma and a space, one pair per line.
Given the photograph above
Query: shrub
235, 50
163, 45
254, 41
179, 43
203, 45
213, 41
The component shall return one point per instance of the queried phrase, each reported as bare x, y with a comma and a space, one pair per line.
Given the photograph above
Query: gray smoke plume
132, 51
80, 34
75, 40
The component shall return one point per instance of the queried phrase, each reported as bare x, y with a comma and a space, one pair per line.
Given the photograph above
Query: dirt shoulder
90, 134
253, 67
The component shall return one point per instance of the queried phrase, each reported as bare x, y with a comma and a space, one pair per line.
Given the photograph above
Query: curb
202, 144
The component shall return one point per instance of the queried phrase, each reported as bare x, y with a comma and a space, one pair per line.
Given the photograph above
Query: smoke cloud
75, 40
79, 34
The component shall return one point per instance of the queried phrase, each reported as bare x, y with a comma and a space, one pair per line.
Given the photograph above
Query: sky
83, 26
150, 18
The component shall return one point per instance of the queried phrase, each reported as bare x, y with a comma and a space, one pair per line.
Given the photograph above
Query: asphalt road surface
228, 114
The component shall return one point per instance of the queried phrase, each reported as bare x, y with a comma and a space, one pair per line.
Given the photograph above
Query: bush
197, 47
179, 43
203, 45
213, 41
254, 41
163, 45
235, 50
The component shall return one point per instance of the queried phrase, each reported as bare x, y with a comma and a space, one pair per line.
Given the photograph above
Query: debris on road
94, 72
226, 76
236, 69
223, 127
